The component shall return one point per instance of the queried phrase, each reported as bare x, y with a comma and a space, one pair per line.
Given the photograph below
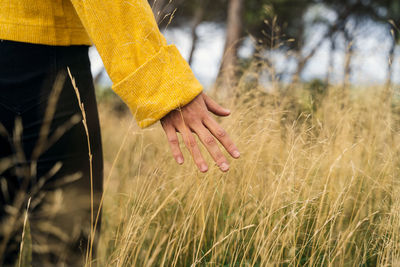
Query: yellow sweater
149, 75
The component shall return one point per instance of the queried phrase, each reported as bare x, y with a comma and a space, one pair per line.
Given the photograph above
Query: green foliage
106, 95
317, 90
288, 15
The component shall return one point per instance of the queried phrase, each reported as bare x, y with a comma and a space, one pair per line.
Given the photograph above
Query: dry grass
315, 185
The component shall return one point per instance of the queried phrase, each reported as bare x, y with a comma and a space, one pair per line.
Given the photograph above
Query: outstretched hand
196, 118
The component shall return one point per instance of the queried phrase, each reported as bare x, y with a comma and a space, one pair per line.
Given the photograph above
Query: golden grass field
317, 184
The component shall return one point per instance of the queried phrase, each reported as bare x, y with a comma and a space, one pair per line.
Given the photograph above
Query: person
47, 166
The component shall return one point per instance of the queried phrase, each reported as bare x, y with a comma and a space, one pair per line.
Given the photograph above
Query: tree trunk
298, 53
390, 62
97, 77
226, 76
331, 63
348, 59
197, 19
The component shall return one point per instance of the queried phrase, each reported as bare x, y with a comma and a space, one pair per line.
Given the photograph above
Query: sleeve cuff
162, 84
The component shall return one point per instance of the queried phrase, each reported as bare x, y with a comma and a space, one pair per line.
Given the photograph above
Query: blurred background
332, 41
313, 86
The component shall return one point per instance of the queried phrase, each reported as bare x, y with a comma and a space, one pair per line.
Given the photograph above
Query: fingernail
179, 160
224, 167
203, 167
236, 154
227, 110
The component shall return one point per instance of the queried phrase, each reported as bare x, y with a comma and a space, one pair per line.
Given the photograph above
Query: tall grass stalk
316, 185
89, 250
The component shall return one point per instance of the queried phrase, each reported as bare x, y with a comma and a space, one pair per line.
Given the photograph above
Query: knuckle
204, 116
191, 142
173, 141
209, 140
221, 133
220, 158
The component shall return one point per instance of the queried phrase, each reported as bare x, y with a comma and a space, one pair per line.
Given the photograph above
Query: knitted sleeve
151, 77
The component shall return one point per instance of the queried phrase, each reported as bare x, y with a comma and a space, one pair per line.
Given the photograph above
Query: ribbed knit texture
149, 75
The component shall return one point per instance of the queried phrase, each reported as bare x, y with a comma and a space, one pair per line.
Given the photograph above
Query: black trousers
44, 155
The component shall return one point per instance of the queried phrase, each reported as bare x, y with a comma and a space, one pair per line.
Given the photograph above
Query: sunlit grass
315, 185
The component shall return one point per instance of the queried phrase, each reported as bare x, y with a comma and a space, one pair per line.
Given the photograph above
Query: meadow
317, 184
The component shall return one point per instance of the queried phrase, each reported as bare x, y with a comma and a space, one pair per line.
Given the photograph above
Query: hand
195, 117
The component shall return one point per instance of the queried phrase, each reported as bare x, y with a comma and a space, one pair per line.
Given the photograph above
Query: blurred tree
200, 9
279, 24
292, 25
233, 35
289, 15
189, 12
158, 7
395, 33
353, 13
349, 15
185, 11
389, 11
284, 25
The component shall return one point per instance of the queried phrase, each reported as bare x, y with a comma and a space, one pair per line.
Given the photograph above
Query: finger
191, 144
222, 136
211, 144
214, 107
173, 143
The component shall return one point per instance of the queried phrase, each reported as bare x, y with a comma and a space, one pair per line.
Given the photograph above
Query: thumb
214, 107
